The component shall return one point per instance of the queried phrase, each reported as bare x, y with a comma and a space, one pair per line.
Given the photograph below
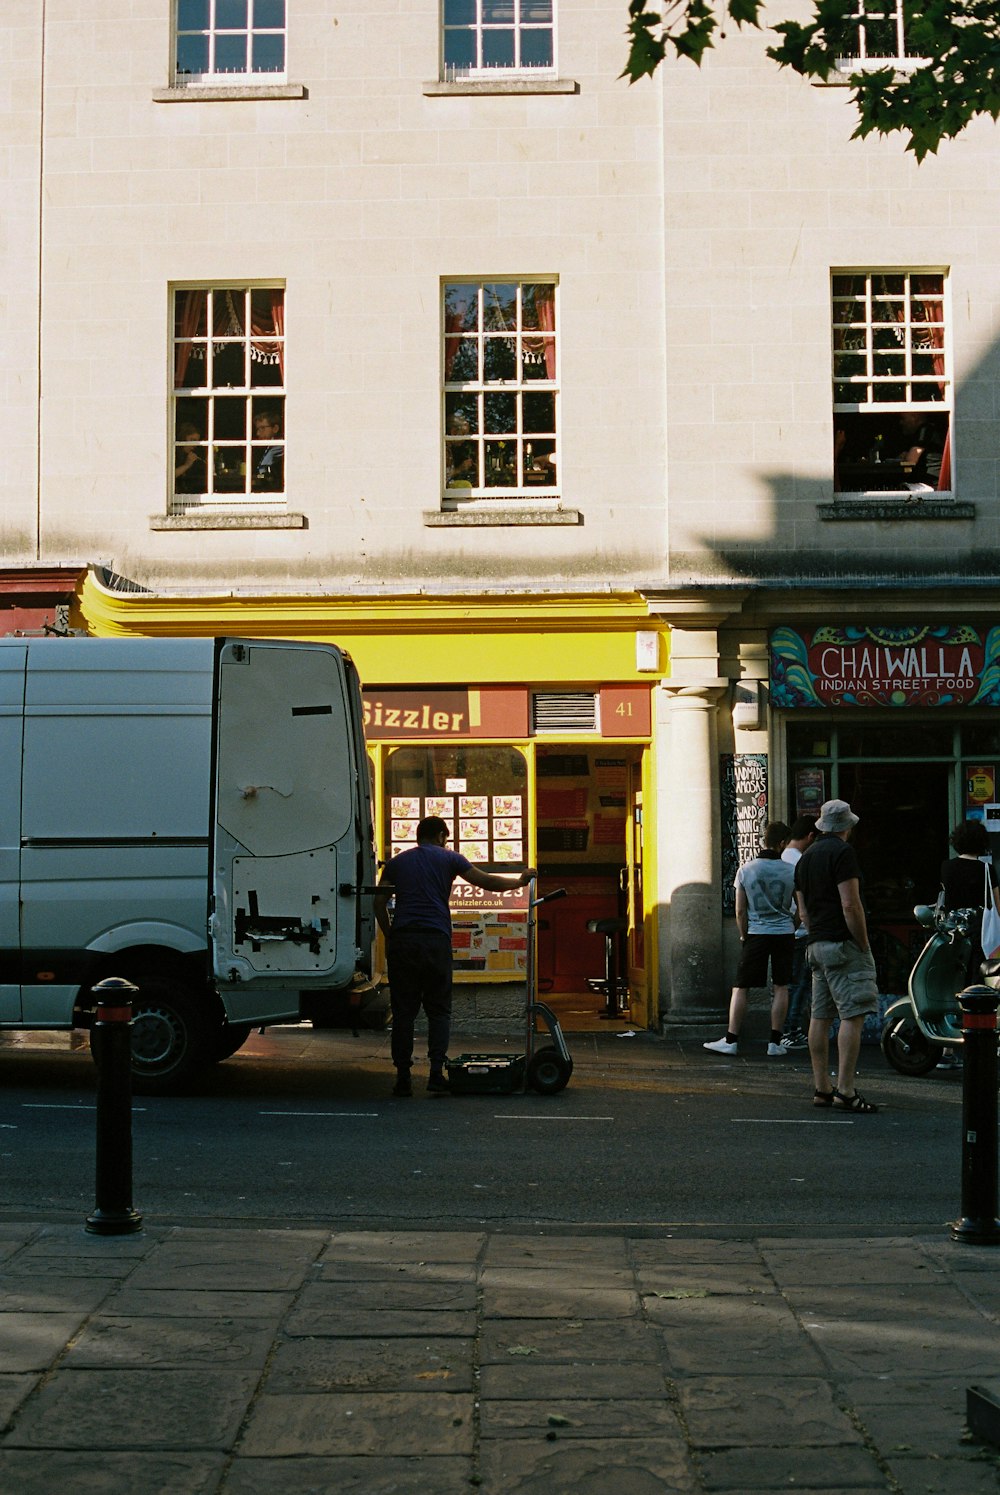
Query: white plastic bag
990, 936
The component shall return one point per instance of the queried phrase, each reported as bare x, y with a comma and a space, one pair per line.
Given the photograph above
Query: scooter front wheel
906, 1047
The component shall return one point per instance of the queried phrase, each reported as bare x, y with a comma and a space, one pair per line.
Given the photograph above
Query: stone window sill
896, 509
903, 67
211, 93
465, 86
200, 519
500, 515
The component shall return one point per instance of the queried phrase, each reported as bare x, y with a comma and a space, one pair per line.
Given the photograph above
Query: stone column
689, 857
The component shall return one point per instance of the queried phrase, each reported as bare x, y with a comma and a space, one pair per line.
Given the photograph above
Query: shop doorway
589, 839
901, 841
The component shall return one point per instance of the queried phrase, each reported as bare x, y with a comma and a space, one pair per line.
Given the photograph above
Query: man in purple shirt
418, 942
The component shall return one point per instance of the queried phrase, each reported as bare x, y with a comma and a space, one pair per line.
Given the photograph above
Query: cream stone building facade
574, 410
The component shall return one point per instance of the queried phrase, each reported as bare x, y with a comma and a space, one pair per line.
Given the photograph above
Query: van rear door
284, 851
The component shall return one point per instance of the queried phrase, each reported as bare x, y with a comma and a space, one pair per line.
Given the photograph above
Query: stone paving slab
743, 1336
25, 1294
832, 1470
14, 1389
332, 1270
24, 1473
555, 1250
383, 1423
317, 1365
945, 1476
719, 1413
683, 1279
522, 1380
626, 1341
912, 1415
405, 1246
847, 1265
340, 1320
377, 1475
134, 1409
31, 1341
639, 1466
553, 1297
173, 1343
133, 1302
604, 1417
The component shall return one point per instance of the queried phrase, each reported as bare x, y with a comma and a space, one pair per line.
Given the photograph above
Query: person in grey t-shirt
765, 895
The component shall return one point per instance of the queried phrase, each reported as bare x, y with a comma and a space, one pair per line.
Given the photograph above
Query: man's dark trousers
420, 973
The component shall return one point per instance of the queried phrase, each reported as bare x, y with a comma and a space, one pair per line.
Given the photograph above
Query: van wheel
226, 1040
170, 1037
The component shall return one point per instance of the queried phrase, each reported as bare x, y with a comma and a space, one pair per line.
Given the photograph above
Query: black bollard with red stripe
111, 1044
979, 1225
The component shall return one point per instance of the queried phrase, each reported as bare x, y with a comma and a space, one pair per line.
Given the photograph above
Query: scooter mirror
924, 914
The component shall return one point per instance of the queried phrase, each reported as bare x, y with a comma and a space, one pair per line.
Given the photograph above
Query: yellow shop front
528, 725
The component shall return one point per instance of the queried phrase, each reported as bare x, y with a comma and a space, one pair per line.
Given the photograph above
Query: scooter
918, 1027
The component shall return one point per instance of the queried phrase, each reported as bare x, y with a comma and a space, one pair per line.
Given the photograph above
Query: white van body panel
105, 848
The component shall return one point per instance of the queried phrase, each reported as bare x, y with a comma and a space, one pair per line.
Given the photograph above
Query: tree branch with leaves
951, 77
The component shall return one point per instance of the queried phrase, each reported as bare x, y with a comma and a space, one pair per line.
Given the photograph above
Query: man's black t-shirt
820, 870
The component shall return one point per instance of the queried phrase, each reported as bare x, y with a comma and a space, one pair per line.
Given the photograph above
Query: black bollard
979, 1225
111, 1044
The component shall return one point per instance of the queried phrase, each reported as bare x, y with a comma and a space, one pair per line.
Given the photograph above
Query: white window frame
530, 457
481, 29
213, 76
193, 352
854, 339
858, 60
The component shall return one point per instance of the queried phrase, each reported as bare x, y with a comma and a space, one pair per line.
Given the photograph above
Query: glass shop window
480, 793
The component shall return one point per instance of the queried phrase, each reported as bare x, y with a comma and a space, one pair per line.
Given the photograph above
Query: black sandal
823, 1097
855, 1102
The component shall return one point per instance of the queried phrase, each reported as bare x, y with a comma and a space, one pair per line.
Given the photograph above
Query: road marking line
785, 1121
527, 1116
27, 1105
318, 1113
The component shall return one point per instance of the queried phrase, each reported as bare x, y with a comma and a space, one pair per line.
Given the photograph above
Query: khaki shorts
843, 980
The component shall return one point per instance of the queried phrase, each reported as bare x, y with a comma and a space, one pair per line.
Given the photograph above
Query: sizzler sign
873, 665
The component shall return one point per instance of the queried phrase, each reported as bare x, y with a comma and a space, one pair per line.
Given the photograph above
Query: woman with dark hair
963, 883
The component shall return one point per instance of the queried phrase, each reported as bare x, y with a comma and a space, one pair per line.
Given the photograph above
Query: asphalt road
299, 1128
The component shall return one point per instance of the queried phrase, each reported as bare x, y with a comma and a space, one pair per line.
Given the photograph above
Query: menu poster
440, 804
508, 851
404, 830
474, 830
507, 830
506, 804
476, 851
474, 804
405, 808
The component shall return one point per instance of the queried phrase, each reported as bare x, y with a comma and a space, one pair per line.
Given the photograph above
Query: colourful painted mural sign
870, 665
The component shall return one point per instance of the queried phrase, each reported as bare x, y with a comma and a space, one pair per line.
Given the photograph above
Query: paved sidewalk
186, 1361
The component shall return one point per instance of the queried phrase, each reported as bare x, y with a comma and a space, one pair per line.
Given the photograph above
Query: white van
193, 815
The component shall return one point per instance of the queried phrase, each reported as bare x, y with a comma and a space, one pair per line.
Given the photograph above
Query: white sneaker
776, 1051
720, 1046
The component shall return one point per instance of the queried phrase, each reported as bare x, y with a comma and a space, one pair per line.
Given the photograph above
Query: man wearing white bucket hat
828, 890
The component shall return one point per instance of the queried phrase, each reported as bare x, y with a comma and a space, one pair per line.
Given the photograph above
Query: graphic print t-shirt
769, 885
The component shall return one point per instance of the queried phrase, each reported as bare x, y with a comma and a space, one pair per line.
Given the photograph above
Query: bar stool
615, 988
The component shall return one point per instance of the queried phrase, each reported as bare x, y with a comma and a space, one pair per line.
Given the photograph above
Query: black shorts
779, 949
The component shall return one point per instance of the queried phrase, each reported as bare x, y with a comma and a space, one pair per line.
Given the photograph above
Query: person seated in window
269, 460
190, 467
922, 448
462, 465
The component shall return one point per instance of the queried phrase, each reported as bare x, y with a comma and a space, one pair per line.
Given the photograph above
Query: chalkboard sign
744, 816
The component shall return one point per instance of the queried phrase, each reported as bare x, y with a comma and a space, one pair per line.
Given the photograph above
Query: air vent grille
564, 711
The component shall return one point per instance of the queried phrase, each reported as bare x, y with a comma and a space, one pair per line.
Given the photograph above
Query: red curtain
545, 307
190, 309
267, 344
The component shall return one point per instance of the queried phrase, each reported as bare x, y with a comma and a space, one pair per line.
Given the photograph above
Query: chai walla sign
869, 665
